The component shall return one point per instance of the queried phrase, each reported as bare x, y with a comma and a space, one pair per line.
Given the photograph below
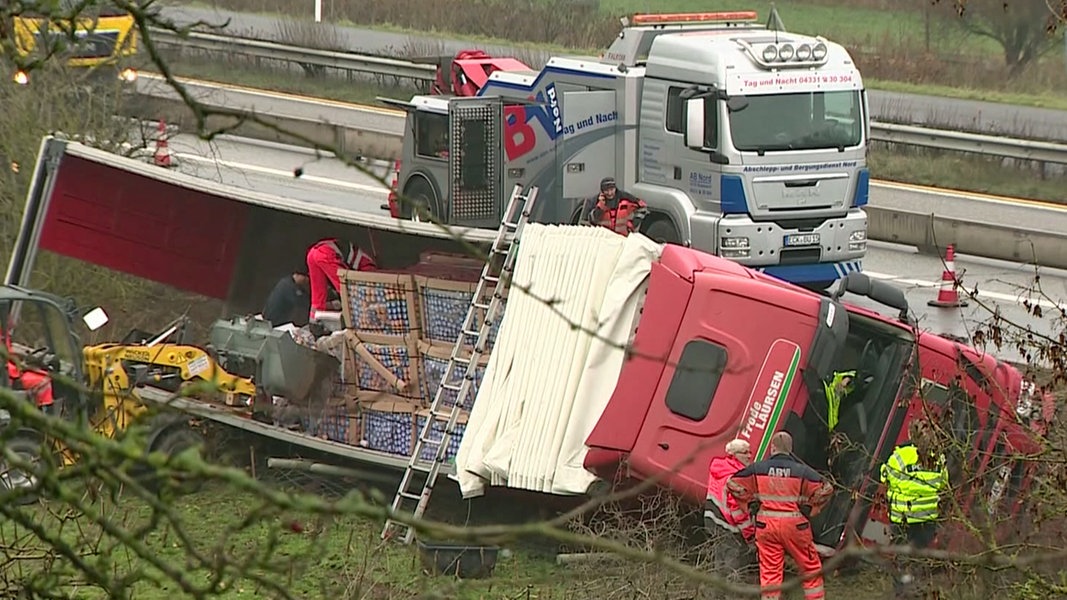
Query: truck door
585, 153
475, 163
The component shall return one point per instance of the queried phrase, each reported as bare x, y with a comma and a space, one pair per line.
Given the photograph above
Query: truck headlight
858, 236
1024, 407
733, 242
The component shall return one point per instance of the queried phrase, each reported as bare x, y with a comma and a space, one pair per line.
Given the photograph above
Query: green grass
317, 558
925, 167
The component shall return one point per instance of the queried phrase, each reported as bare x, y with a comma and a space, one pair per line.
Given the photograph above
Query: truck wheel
662, 231
29, 447
419, 194
173, 441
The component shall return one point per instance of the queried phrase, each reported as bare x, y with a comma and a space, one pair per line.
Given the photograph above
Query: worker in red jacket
722, 509
788, 493
324, 259
618, 211
37, 384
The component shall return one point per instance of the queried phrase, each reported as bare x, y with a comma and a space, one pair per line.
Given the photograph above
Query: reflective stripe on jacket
783, 486
833, 400
721, 507
911, 491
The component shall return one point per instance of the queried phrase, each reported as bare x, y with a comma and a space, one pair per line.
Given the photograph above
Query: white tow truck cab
745, 142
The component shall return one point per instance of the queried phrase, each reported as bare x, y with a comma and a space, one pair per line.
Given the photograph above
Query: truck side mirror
694, 123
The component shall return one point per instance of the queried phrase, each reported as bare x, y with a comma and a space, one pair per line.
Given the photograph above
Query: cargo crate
443, 306
397, 356
389, 426
337, 422
373, 302
433, 362
437, 432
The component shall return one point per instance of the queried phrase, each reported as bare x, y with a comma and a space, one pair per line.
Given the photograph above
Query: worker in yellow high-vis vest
916, 479
839, 386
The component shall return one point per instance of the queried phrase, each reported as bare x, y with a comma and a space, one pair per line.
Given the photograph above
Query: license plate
802, 239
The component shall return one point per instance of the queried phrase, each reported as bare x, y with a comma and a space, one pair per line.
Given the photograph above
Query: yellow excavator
249, 365
101, 383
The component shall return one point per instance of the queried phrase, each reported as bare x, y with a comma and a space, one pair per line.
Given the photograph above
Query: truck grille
98, 44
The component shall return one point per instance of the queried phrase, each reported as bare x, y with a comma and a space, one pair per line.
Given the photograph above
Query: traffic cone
947, 295
163, 156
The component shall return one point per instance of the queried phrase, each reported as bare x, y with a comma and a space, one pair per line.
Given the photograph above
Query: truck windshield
879, 354
805, 121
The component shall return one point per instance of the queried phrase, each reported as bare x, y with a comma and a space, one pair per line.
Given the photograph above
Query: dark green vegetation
919, 46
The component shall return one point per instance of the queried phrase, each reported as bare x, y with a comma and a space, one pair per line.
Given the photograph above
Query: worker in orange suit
783, 494
617, 210
324, 259
37, 384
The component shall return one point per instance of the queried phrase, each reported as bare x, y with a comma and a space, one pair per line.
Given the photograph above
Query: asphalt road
270, 168
1031, 216
930, 111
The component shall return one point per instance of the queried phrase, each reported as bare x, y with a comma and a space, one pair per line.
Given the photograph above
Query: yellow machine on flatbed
102, 385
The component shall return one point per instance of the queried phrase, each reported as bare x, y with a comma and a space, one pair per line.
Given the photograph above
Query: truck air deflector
733, 199
863, 188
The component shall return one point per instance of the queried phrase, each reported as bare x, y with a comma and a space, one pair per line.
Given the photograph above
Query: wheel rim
13, 478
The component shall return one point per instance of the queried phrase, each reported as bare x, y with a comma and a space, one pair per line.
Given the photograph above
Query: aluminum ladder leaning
496, 272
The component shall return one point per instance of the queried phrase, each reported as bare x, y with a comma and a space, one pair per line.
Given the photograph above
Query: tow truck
746, 142
760, 347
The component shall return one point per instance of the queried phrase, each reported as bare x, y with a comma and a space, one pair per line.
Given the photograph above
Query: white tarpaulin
570, 313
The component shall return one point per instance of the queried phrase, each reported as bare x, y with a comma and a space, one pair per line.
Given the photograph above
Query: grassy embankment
316, 557
889, 46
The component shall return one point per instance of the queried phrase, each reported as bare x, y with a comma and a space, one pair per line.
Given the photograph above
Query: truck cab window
880, 356
806, 121
431, 135
696, 378
675, 117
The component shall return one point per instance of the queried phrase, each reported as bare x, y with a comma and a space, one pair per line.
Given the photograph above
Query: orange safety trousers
775, 536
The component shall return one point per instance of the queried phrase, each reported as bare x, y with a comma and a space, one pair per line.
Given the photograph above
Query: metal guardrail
1019, 149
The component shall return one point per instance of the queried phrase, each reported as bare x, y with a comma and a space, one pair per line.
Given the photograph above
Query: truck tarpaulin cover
145, 227
547, 381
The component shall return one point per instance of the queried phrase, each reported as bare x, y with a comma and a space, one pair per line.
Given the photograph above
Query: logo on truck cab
767, 400
519, 135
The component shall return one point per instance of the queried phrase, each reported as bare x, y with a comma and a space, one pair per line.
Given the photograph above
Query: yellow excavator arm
167, 366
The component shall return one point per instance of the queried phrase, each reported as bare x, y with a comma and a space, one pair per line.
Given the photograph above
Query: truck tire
419, 193
28, 446
172, 441
662, 231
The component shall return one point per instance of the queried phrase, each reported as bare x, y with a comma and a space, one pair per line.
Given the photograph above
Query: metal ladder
497, 271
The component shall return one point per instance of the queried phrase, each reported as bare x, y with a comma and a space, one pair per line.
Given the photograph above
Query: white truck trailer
745, 142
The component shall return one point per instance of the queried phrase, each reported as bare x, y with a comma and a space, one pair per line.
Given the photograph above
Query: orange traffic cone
948, 296
162, 156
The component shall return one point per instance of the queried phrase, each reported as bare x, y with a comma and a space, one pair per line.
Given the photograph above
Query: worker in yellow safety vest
839, 386
915, 477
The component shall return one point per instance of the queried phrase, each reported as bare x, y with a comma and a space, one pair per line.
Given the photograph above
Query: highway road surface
269, 167
930, 111
1023, 214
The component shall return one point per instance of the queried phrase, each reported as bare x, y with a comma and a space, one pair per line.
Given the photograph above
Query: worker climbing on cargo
324, 259
288, 301
916, 479
615, 209
35, 382
721, 510
783, 493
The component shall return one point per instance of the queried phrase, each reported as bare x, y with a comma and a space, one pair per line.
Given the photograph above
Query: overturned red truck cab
746, 356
